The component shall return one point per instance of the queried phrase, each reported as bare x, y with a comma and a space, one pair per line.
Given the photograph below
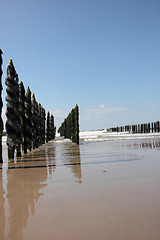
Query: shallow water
97, 190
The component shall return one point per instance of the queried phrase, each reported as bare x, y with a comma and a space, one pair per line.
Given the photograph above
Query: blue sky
102, 55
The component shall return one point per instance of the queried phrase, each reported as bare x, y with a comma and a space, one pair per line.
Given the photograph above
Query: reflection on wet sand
2, 201
23, 193
72, 156
119, 197
150, 144
50, 157
26, 176
67, 154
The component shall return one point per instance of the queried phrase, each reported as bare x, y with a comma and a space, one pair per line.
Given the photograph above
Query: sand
98, 190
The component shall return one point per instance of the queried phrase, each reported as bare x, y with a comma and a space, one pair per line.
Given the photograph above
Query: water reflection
72, 156
150, 144
24, 189
25, 177
50, 157
2, 202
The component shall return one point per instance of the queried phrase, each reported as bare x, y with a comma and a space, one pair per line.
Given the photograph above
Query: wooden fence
139, 128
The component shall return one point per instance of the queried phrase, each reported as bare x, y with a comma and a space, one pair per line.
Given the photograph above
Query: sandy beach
97, 190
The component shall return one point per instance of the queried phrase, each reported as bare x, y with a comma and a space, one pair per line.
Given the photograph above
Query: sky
103, 55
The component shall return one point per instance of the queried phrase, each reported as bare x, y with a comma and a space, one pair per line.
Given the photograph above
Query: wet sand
98, 190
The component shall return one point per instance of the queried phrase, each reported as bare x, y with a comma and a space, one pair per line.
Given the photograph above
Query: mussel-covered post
22, 115
77, 124
48, 127
28, 119
34, 120
13, 127
70, 127
39, 124
158, 126
1, 105
43, 125
52, 128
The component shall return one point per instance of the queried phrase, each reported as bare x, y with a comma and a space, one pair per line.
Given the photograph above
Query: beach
107, 187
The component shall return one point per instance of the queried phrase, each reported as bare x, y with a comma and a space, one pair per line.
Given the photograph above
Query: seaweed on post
13, 126
22, 115
1, 105
48, 127
43, 125
70, 127
34, 119
40, 124
77, 124
28, 116
53, 129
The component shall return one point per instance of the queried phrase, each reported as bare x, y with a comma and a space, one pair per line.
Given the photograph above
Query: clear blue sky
103, 55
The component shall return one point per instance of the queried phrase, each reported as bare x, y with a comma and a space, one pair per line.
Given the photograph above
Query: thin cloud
59, 113
103, 109
101, 116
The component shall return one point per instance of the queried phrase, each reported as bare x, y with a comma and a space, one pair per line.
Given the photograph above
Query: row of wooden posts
152, 127
26, 124
1, 105
70, 126
35, 117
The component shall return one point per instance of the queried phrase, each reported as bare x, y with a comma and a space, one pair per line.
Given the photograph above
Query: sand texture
98, 190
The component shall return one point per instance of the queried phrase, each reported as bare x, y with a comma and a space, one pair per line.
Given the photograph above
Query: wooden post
1, 104
152, 126
158, 126
136, 127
